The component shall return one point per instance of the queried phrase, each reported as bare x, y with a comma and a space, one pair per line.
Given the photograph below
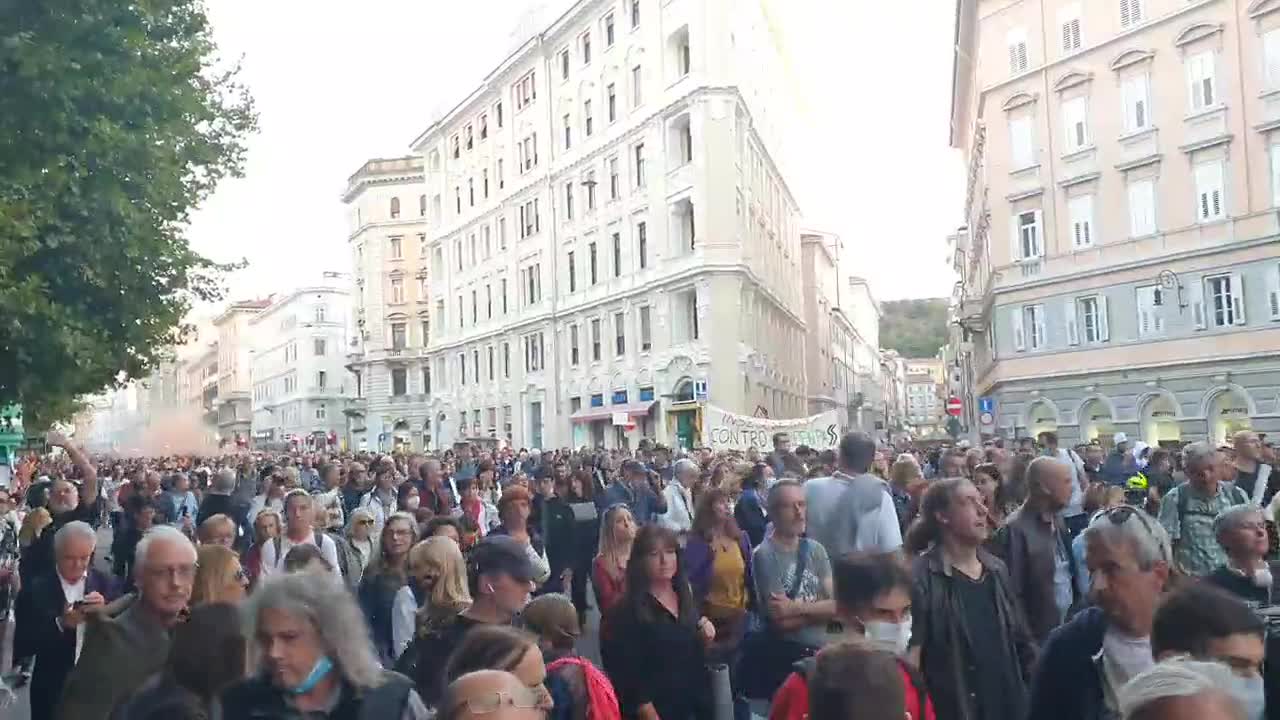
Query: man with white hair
491, 695
1187, 512
67, 503
679, 496
51, 613
122, 650
1182, 689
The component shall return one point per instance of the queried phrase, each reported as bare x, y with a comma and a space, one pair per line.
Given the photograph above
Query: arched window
395, 208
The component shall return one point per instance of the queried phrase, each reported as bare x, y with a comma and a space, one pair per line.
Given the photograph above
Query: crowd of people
862, 581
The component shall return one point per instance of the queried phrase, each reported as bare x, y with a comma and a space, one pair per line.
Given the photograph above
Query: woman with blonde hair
219, 576
609, 571
436, 593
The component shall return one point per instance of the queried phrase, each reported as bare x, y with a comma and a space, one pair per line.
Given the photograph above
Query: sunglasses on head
1121, 514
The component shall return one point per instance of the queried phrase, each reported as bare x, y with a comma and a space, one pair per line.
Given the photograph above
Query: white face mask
1251, 693
1262, 577
890, 636
412, 502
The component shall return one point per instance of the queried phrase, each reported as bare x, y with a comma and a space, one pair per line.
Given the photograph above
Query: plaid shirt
1189, 522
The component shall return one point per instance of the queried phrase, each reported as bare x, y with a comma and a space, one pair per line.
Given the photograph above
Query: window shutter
1275, 173
1073, 329
1019, 333
1273, 292
1104, 326
1196, 298
1145, 309
1015, 242
1271, 56
1037, 325
1039, 224
1237, 298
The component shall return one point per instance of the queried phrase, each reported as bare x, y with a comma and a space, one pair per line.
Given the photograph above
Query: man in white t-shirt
299, 511
679, 494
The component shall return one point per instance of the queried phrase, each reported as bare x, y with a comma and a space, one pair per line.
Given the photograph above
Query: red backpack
602, 702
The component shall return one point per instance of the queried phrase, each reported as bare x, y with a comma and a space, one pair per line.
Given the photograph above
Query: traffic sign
987, 418
987, 405
954, 406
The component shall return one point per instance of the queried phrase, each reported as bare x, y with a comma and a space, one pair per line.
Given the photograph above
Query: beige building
235, 381
1120, 263
926, 382
387, 220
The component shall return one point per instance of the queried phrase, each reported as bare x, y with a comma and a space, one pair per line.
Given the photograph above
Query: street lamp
1168, 280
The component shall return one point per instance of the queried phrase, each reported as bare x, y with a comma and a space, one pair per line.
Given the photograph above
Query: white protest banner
723, 430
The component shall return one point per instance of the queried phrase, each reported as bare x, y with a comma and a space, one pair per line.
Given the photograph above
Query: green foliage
116, 122
915, 328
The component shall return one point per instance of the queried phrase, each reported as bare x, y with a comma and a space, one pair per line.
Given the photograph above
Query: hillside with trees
915, 328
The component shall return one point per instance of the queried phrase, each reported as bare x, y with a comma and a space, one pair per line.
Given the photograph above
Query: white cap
1119, 438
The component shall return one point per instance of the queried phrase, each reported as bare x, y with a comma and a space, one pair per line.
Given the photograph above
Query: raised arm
88, 473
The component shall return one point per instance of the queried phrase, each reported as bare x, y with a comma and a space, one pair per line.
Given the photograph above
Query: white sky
337, 83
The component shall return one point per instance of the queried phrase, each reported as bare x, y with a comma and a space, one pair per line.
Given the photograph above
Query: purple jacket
699, 560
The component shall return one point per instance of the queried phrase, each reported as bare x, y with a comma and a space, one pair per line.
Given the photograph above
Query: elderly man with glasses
1085, 662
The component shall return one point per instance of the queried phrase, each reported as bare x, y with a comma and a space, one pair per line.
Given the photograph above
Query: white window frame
1210, 189
1130, 13
1273, 291
1016, 40
1083, 230
1028, 338
1149, 299
1075, 123
1142, 207
1022, 143
1069, 24
1275, 174
1094, 323
1271, 58
1202, 81
1019, 246
1135, 94
1231, 312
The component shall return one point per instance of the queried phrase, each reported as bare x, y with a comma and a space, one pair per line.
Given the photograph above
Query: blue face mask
321, 668
1251, 693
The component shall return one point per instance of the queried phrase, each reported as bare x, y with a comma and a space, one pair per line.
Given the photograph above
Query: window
637, 86
422, 245
460, 317
504, 296
502, 233
617, 254
426, 379
1271, 58
457, 252
457, 198
501, 177
1135, 93
1080, 209
608, 30
506, 360
484, 128
1142, 208
525, 92
684, 58
475, 307
497, 112
568, 200
528, 154
573, 274
1226, 300
1130, 13
1069, 20
1150, 317
590, 182
533, 352
318, 346
471, 243
1074, 121
574, 356
591, 263
642, 245
1021, 142
1275, 175
584, 46
1273, 291
619, 334
457, 148
1028, 328
426, 332
638, 156
1201, 80
1209, 191
1026, 235
492, 365
322, 379
587, 126
615, 190
422, 206
531, 282
488, 301
422, 288
595, 340
487, 234
397, 291
462, 373
646, 329
1093, 320
530, 222
635, 14
611, 104
399, 382
321, 312
471, 192
470, 139
397, 248
568, 132
1017, 42
484, 180
564, 64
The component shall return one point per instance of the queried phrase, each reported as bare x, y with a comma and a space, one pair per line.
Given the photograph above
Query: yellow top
727, 591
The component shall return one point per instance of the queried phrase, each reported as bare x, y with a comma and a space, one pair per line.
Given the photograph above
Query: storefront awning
606, 412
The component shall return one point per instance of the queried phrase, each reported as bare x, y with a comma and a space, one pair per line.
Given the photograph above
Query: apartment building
612, 240
387, 219
925, 384
234, 405
298, 359
842, 366
1120, 262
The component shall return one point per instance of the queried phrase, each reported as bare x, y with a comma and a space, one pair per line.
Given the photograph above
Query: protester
482, 694
51, 613
578, 688
219, 577
299, 529
748, 512
655, 650
499, 580
609, 570
586, 537
383, 580
515, 509
1181, 689
968, 634
165, 572
382, 499
496, 647
853, 510
1208, 623
207, 656
1103, 647
1073, 513
559, 531
266, 528
66, 504
437, 567
679, 497
311, 655
855, 680
1252, 475
717, 563
305, 558
1188, 511
141, 512
1242, 532
641, 492
218, 500
1035, 545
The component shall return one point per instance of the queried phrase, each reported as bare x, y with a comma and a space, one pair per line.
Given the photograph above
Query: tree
915, 328
117, 119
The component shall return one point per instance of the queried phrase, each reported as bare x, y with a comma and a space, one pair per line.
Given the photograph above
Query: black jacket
257, 698
1067, 684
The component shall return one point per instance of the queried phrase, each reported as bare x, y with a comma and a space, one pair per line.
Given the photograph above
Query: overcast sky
338, 83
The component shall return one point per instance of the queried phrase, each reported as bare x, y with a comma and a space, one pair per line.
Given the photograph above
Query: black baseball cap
500, 553
634, 467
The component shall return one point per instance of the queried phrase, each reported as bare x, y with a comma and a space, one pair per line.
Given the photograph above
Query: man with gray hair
1187, 512
852, 510
51, 612
679, 496
1182, 689
218, 500
1085, 662
491, 695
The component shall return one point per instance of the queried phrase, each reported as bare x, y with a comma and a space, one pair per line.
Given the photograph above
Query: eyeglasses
364, 522
1120, 515
176, 572
491, 702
